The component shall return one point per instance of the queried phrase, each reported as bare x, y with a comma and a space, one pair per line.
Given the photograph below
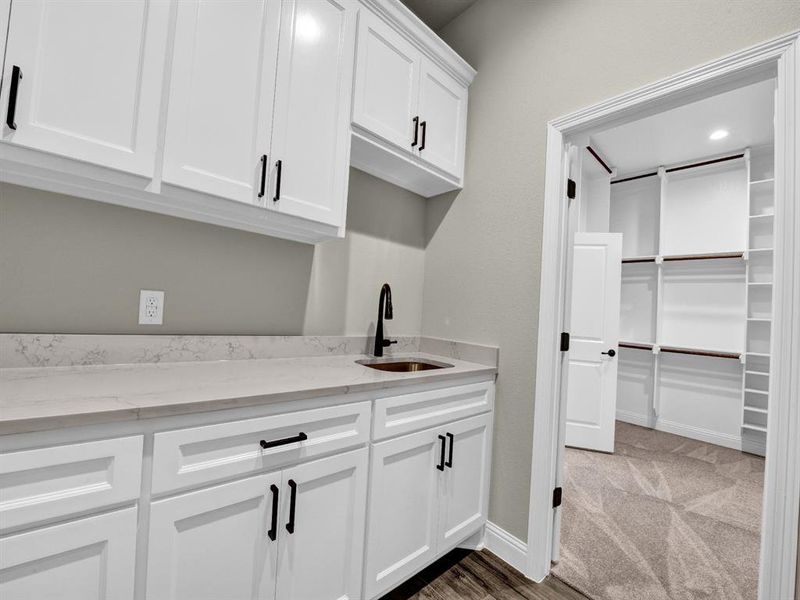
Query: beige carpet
664, 517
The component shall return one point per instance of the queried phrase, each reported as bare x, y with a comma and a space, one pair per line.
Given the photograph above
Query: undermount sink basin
402, 365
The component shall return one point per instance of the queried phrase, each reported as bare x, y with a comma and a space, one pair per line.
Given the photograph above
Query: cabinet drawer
191, 457
397, 415
47, 483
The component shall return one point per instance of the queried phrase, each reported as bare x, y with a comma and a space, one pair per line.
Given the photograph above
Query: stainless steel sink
402, 365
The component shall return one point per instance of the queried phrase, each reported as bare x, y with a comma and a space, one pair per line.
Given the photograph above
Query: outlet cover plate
151, 307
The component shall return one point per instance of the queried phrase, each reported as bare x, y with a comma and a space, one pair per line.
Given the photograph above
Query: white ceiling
681, 134
438, 13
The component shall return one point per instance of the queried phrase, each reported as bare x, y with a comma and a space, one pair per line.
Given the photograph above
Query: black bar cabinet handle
449, 462
277, 197
273, 531
292, 503
440, 466
262, 189
424, 135
300, 437
16, 75
416, 131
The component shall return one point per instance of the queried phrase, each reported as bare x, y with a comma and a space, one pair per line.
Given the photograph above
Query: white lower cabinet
296, 533
428, 492
85, 559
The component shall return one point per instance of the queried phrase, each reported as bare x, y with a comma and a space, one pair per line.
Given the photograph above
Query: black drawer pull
16, 75
292, 505
416, 131
277, 197
262, 189
273, 531
449, 462
424, 135
440, 466
300, 437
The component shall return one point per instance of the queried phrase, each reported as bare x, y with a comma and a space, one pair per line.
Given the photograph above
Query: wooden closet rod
635, 345
653, 174
600, 160
639, 260
704, 256
705, 162
693, 352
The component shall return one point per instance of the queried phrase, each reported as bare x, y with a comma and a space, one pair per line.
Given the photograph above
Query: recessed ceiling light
719, 134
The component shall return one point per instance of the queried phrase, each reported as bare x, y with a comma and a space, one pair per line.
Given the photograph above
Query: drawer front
200, 455
47, 483
397, 415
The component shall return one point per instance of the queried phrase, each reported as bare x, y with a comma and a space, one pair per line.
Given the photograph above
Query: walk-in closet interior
691, 191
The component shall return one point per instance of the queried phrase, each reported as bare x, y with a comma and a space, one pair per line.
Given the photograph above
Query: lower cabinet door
216, 543
402, 516
82, 559
321, 547
466, 482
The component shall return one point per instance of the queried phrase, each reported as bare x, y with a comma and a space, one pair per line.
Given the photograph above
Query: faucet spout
385, 311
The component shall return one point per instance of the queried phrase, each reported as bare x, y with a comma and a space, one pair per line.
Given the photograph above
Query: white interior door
321, 558
91, 80
216, 543
311, 136
594, 333
221, 96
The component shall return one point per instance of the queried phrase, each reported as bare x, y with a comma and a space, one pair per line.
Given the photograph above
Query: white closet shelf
763, 217
755, 409
759, 250
758, 354
760, 392
760, 283
759, 319
754, 427
763, 181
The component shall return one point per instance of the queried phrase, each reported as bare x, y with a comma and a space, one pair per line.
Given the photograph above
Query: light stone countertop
41, 398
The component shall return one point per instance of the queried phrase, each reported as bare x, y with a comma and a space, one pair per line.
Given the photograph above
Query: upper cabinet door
91, 80
311, 139
221, 94
443, 115
387, 82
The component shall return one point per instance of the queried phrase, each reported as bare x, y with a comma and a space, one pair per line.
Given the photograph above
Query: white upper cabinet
387, 82
443, 110
83, 80
311, 136
220, 97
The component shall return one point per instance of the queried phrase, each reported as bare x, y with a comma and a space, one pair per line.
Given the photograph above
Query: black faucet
384, 311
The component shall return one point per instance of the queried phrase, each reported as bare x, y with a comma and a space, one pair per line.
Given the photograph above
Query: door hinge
557, 497
571, 188
564, 341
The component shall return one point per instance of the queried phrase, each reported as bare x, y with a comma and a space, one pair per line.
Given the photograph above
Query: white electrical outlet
151, 307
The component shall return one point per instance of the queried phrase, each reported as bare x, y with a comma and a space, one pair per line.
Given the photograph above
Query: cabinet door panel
404, 504
89, 559
312, 109
213, 543
328, 538
387, 82
91, 79
466, 482
221, 95
443, 109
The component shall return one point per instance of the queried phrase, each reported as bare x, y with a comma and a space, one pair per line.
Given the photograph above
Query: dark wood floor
468, 575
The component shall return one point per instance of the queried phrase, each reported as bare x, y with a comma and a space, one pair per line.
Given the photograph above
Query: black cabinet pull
292, 503
273, 531
612, 353
262, 189
416, 131
16, 75
277, 197
300, 437
449, 462
440, 466
424, 135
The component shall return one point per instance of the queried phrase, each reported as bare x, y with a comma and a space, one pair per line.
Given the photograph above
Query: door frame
781, 508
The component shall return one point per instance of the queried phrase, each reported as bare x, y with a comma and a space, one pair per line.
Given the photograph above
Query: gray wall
537, 61
69, 265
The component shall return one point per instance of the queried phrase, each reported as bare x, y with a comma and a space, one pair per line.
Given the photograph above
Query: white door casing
594, 330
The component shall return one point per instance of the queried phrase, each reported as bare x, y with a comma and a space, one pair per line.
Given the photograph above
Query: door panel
328, 537
90, 559
312, 109
91, 80
594, 329
443, 110
387, 82
465, 505
404, 503
214, 543
221, 96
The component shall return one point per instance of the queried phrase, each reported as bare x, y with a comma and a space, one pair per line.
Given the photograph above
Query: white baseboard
509, 548
633, 418
688, 431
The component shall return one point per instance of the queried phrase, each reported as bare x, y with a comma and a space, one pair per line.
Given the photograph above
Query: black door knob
612, 353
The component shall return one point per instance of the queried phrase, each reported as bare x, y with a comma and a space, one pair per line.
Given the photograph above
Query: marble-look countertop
41, 398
